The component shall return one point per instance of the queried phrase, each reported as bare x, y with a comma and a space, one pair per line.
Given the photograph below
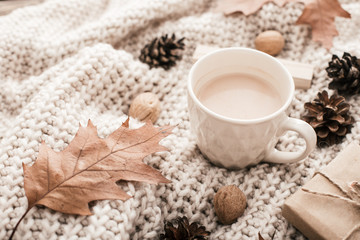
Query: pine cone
184, 231
329, 117
162, 52
345, 73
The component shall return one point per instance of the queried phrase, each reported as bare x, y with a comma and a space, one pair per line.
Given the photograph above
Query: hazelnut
145, 106
229, 203
270, 42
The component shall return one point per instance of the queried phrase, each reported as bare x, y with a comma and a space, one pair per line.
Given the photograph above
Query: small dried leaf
320, 14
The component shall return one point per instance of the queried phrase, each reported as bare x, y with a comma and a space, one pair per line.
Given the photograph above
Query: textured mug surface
237, 143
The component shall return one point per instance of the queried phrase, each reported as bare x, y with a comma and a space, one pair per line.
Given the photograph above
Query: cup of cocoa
237, 102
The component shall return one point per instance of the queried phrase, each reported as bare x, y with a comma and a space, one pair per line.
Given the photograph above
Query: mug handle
305, 131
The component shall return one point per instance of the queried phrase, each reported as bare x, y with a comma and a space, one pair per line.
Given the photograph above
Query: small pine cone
184, 231
345, 74
329, 117
162, 52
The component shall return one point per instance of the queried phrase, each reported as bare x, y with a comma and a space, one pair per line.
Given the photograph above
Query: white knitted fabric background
64, 62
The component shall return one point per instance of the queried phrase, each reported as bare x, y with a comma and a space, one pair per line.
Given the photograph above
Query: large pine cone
329, 117
345, 73
184, 231
162, 52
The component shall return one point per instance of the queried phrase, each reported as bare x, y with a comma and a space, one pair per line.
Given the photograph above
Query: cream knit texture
66, 61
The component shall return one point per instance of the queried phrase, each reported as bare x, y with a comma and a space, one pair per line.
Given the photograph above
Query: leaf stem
17, 224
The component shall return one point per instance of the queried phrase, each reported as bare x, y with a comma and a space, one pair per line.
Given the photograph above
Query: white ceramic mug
237, 143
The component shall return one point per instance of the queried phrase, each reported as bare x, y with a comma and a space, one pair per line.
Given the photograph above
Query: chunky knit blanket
64, 62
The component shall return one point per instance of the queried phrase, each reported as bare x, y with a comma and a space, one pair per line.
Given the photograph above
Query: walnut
229, 203
270, 42
145, 106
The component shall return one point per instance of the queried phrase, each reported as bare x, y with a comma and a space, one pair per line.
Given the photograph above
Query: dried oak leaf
245, 6
320, 14
89, 167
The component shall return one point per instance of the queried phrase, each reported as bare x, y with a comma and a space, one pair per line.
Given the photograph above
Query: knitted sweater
66, 61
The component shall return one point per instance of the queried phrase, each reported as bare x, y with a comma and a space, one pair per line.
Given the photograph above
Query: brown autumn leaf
89, 167
320, 14
245, 6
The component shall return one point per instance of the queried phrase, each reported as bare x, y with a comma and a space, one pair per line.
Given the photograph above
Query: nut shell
145, 106
229, 203
270, 42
